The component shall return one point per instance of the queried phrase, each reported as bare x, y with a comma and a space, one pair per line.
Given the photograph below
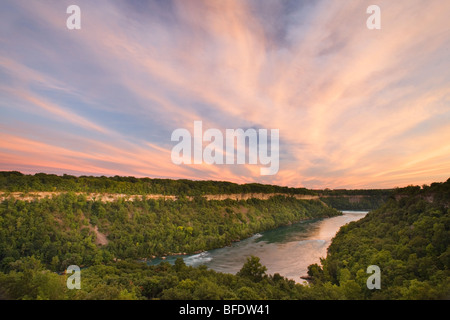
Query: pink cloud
347, 100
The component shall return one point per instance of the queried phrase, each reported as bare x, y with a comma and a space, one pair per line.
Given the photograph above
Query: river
286, 250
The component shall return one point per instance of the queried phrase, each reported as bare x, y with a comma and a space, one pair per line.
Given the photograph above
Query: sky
355, 108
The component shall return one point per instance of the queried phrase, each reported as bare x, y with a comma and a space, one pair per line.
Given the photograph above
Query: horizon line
206, 180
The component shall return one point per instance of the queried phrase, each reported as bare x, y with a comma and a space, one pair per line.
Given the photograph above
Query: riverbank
111, 197
287, 250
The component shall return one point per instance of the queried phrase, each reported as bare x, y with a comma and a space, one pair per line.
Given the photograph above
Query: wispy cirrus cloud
355, 107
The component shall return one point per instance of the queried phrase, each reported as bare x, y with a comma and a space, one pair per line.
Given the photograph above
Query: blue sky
356, 108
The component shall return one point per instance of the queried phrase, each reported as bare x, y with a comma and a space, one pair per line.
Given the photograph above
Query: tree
253, 269
246, 293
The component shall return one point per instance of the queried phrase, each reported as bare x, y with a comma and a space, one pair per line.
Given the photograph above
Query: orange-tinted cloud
355, 107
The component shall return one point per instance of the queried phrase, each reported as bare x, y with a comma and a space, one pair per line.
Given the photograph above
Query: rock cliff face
110, 197
103, 197
261, 196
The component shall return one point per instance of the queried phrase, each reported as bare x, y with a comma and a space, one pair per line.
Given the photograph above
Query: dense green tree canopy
67, 229
16, 181
407, 237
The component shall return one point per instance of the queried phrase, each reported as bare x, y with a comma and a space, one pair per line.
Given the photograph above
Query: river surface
286, 250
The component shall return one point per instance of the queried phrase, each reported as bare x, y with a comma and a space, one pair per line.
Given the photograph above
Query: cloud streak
355, 108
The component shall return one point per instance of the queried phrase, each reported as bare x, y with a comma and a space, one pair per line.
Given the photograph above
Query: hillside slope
408, 238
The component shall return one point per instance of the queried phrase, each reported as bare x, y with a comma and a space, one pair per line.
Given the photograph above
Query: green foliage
361, 202
42, 237
59, 231
253, 270
54, 231
357, 199
29, 280
132, 280
13, 181
408, 238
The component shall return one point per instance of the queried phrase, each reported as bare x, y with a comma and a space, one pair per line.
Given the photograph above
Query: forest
360, 202
407, 237
342, 199
61, 231
14, 181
